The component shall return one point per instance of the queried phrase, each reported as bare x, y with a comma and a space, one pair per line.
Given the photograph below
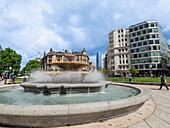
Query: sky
32, 26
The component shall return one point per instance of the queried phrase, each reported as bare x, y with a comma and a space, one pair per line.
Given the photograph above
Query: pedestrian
13, 79
163, 82
25, 79
130, 79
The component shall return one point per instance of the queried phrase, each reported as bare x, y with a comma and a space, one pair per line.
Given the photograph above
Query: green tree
9, 58
32, 65
133, 71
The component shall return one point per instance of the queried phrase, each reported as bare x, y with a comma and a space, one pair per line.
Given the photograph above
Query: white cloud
74, 19
116, 16
78, 34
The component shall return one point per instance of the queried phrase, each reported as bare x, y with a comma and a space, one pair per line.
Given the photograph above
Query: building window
119, 56
141, 66
150, 41
132, 50
119, 50
125, 39
122, 50
141, 38
149, 30
120, 62
153, 36
126, 49
139, 44
156, 41
155, 30
131, 30
140, 55
126, 55
142, 49
146, 25
145, 43
141, 27
119, 40
134, 45
154, 48
133, 62
131, 40
151, 24
137, 50
136, 39
119, 36
148, 48
136, 28
147, 36
122, 40
135, 55
139, 33
122, 35
123, 61
144, 31
126, 61
122, 30
118, 31
146, 54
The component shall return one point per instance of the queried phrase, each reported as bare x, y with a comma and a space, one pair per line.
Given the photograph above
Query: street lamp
144, 72
9, 72
150, 66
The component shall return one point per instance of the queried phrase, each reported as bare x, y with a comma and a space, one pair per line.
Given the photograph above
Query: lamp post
9, 72
150, 66
144, 72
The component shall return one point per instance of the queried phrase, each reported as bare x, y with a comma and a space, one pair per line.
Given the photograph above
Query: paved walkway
155, 113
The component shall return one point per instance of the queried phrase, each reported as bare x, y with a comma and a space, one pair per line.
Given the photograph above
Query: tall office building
118, 52
149, 49
98, 61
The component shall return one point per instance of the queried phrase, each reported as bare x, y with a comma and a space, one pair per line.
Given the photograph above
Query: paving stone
163, 115
155, 122
141, 124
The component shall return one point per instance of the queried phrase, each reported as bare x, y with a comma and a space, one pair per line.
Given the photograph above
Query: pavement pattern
155, 113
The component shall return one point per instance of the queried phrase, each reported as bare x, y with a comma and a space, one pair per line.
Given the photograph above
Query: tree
32, 65
9, 58
133, 71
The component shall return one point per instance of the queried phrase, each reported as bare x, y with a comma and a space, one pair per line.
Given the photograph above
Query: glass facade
148, 46
98, 60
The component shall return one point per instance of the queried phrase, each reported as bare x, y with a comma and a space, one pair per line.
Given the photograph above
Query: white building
118, 52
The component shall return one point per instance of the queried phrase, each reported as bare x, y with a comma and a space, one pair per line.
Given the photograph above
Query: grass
138, 79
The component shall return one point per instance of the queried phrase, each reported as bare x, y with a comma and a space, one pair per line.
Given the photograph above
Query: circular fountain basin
24, 111
55, 88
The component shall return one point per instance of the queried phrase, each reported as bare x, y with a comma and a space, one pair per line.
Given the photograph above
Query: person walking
163, 82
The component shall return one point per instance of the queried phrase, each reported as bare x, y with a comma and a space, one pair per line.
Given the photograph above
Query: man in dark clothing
163, 82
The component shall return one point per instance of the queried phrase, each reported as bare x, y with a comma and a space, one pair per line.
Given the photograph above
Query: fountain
67, 98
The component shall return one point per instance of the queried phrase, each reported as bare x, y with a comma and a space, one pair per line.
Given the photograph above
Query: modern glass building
98, 60
148, 47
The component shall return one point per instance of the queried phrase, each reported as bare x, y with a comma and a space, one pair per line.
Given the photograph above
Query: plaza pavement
155, 113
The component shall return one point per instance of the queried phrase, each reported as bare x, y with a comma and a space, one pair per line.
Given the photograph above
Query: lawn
138, 79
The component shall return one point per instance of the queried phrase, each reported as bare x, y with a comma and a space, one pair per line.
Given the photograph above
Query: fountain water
69, 82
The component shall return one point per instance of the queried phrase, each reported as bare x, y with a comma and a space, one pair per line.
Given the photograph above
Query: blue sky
34, 26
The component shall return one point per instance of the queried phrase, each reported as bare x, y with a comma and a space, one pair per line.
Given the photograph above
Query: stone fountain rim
76, 109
